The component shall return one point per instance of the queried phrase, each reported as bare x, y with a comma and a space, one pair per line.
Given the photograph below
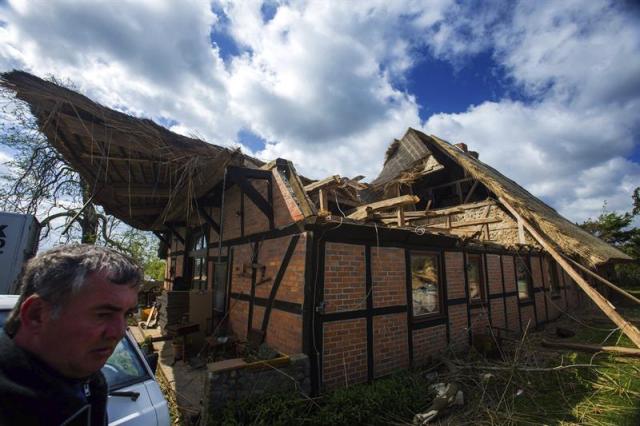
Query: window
124, 367
524, 279
425, 284
198, 262
553, 280
475, 278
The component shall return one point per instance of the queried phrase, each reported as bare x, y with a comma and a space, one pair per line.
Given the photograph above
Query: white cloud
320, 80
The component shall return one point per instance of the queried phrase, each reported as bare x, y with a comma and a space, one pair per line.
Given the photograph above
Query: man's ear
34, 312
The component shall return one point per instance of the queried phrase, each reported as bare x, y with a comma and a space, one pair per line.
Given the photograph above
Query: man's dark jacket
31, 393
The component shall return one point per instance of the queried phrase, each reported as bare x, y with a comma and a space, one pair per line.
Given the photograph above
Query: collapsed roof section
429, 184
138, 171
149, 177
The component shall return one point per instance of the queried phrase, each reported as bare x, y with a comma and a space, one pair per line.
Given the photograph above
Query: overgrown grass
599, 389
390, 400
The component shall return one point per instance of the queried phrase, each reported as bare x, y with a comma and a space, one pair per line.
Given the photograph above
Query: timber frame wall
341, 292
362, 327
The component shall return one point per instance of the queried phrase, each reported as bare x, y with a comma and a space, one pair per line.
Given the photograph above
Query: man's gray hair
59, 273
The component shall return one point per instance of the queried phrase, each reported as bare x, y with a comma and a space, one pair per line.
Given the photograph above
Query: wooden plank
627, 328
616, 350
363, 211
460, 208
324, 203
326, 183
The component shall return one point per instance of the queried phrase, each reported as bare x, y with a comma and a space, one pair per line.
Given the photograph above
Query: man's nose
116, 328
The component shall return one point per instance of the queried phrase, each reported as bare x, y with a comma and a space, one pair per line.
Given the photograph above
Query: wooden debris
627, 328
325, 183
364, 211
584, 347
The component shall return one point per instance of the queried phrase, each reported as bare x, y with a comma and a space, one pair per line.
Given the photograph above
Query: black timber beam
209, 219
241, 176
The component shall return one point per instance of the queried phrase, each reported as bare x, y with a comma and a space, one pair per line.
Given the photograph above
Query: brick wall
494, 274
344, 353
454, 266
458, 321
282, 196
539, 288
254, 220
479, 319
428, 342
390, 344
527, 314
388, 275
513, 318
284, 330
344, 277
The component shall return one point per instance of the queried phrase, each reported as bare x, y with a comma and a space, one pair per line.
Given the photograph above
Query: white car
134, 395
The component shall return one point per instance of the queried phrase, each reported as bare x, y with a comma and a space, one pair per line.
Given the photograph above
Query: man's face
78, 341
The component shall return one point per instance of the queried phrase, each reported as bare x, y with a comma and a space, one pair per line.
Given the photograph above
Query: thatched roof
138, 171
567, 236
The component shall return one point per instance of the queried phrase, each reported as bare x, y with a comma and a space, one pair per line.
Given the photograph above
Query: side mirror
152, 360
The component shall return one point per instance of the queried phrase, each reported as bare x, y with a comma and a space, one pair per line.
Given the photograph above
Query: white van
135, 399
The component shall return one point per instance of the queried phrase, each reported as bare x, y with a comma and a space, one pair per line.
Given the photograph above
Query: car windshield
124, 368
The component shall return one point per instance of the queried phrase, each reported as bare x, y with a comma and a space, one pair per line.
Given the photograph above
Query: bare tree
38, 181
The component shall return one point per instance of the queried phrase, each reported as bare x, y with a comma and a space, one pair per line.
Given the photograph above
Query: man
71, 314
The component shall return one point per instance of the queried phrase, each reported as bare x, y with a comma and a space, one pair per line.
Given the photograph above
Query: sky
548, 92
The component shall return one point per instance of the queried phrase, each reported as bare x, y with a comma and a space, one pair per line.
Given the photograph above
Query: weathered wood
604, 281
584, 347
328, 182
470, 193
461, 208
627, 328
361, 211
521, 238
323, 202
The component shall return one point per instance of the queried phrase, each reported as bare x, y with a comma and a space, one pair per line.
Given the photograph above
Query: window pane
425, 284
523, 279
553, 274
474, 277
124, 367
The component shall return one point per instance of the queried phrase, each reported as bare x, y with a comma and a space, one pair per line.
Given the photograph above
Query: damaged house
362, 278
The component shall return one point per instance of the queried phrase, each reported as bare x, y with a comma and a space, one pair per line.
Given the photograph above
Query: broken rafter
364, 211
627, 328
325, 183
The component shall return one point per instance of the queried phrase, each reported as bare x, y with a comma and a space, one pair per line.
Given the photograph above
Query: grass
497, 392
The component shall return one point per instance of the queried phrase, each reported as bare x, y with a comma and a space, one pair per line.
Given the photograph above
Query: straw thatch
137, 170
565, 235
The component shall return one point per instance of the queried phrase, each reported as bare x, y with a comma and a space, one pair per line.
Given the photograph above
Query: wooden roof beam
362, 212
325, 183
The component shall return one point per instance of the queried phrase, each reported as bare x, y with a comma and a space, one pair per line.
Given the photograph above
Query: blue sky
547, 92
